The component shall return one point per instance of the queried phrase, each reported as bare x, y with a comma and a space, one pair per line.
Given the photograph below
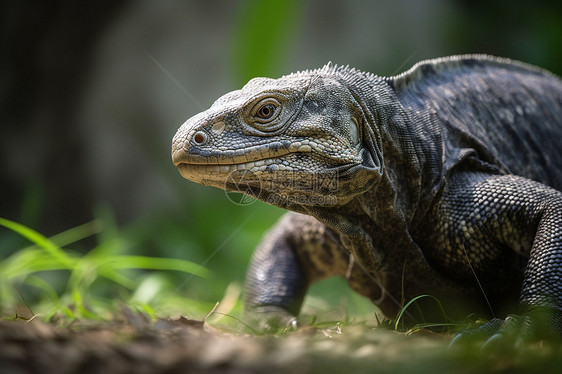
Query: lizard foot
269, 319
514, 330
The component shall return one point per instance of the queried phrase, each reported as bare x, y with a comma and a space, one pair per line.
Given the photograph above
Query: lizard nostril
200, 138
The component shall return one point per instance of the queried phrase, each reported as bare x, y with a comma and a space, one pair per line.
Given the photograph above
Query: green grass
49, 278
51, 281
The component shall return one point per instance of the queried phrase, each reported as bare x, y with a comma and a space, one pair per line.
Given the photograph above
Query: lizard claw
513, 331
272, 319
471, 335
292, 326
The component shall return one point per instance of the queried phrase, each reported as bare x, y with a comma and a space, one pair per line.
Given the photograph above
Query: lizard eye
266, 110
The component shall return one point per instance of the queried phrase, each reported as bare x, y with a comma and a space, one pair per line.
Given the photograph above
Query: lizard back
505, 113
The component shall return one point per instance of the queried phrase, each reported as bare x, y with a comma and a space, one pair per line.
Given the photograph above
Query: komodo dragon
443, 180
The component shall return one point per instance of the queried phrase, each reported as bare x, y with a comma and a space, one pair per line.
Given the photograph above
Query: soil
135, 344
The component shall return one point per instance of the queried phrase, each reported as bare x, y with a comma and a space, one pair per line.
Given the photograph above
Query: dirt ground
138, 345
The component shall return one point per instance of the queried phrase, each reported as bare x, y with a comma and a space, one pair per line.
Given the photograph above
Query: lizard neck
405, 146
409, 174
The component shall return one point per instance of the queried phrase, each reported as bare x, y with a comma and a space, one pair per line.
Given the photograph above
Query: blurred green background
91, 94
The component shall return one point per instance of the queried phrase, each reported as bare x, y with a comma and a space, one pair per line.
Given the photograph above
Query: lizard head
303, 139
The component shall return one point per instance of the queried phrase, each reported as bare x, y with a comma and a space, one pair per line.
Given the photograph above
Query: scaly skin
443, 180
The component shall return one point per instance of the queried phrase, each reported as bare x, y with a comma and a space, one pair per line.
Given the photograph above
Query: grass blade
77, 233
40, 240
154, 263
413, 301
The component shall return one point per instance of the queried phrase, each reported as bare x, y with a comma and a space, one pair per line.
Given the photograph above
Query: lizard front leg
276, 282
298, 251
493, 224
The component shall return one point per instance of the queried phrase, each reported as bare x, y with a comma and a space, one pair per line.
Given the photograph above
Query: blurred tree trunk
46, 51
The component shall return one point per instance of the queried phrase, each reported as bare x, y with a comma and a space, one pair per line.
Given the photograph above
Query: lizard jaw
237, 157
210, 168
220, 172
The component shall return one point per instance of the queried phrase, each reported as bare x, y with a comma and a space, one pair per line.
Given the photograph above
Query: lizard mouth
253, 155
200, 172
205, 167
